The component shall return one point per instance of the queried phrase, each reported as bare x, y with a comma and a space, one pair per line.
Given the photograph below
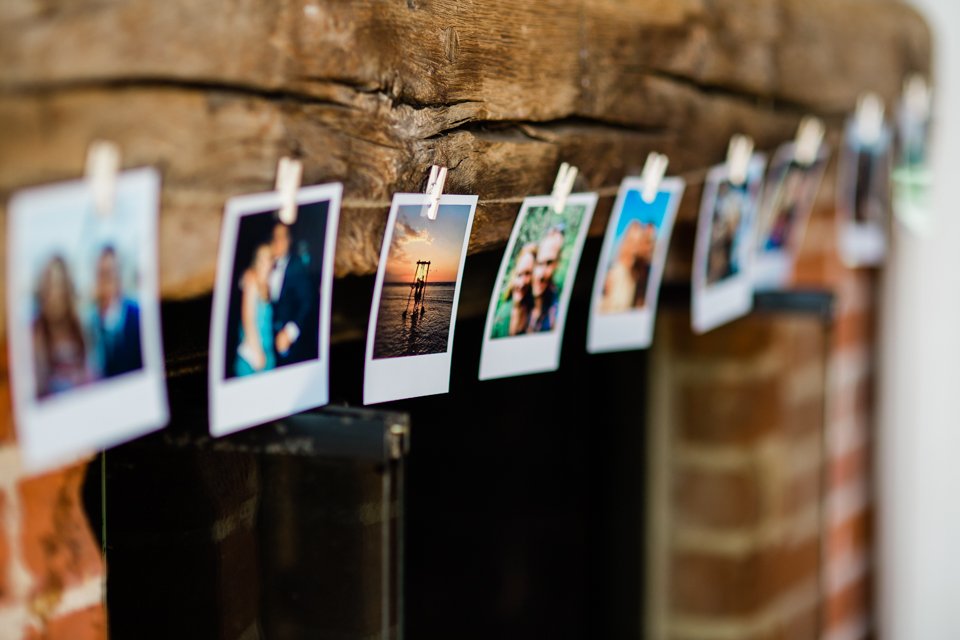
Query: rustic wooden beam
372, 93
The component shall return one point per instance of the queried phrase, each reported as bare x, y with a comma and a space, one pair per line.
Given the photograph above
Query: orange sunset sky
418, 238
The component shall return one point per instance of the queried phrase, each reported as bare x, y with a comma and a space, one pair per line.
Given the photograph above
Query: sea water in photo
412, 326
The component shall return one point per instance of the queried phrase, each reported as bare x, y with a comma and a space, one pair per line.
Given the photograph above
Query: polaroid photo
863, 197
528, 307
414, 308
84, 318
788, 200
912, 174
723, 250
627, 283
270, 328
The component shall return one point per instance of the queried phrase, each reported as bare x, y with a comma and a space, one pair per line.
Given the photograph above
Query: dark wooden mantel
372, 93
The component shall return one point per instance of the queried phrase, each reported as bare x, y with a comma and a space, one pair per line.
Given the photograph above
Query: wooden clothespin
806, 148
438, 178
653, 171
103, 164
869, 118
739, 154
289, 175
562, 187
917, 97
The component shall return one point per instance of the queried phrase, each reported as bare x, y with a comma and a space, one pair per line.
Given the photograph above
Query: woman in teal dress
255, 352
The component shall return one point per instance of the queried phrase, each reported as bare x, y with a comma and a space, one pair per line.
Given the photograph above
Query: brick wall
760, 490
848, 499
51, 573
738, 438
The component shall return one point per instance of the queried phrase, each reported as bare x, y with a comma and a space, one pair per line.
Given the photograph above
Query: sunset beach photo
420, 281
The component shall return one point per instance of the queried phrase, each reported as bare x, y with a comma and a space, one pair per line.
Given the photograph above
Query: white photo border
632, 329
537, 353
61, 430
239, 403
714, 305
387, 379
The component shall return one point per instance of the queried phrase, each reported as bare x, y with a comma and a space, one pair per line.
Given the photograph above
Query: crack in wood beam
768, 102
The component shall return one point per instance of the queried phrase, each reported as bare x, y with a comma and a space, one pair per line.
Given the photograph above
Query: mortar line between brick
803, 459
846, 501
804, 525
846, 570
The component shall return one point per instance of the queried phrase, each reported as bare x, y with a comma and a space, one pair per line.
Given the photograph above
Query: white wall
919, 430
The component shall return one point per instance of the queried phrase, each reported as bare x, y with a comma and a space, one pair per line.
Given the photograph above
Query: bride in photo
255, 352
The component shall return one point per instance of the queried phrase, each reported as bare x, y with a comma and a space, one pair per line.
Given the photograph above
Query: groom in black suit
294, 302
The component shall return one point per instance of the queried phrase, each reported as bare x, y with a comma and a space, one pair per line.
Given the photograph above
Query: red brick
850, 536
804, 340
5, 595
805, 417
853, 401
6, 405
849, 467
849, 603
723, 412
854, 328
86, 624
59, 548
711, 585
803, 492
716, 499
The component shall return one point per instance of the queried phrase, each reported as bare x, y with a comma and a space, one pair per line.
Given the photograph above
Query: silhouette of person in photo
116, 321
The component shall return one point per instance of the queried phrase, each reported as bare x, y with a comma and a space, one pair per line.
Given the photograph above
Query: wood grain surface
372, 93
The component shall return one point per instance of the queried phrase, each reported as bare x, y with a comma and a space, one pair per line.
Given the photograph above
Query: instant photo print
788, 199
528, 307
912, 175
723, 250
414, 309
627, 283
270, 331
84, 318
863, 196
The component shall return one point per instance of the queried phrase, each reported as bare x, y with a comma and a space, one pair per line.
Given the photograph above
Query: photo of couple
627, 276
529, 298
788, 201
82, 334
83, 313
273, 318
724, 249
782, 212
